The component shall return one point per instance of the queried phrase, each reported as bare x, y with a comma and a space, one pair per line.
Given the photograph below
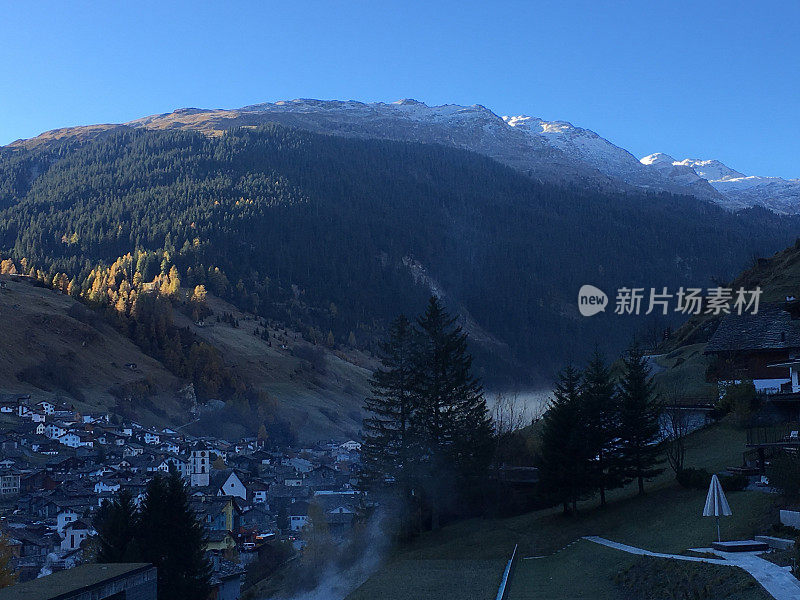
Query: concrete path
778, 581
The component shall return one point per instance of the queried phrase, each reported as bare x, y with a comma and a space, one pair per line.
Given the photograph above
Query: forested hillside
336, 236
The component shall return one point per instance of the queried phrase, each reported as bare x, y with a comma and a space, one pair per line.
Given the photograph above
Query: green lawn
407, 579
469, 557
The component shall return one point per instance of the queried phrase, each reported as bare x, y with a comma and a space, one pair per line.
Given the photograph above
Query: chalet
74, 535
298, 515
9, 483
220, 541
152, 437
38, 480
64, 518
174, 462
258, 516
217, 513
756, 347
131, 449
37, 416
73, 439
226, 583
257, 492
106, 486
46, 407
55, 429
226, 482
170, 447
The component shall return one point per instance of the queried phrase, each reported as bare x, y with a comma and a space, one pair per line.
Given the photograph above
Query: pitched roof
772, 328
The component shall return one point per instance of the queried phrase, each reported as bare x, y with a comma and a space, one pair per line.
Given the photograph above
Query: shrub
700, 479
784, 475
655, 579
734, 483
694, 479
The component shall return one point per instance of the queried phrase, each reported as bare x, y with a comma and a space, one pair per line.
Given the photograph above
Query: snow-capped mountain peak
712, 170
736, 190
659, 158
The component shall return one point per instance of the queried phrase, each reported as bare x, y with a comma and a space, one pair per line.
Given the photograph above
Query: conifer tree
451, 419
563, 461
386, 453
639, 428
116, 525
171, 538
600, 417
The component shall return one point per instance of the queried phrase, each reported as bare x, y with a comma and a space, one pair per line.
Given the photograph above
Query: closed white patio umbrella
716, 503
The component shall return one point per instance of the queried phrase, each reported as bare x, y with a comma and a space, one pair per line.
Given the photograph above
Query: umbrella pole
719, 538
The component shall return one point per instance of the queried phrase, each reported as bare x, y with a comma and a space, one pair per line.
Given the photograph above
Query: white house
64, 518
105, 486
55, 430
170, 447
180, 465
46, 407
233, 486
74, 534
298, 515
351, 446
151, 437
70, 439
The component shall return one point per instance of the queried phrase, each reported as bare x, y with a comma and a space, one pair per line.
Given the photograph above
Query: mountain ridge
550, 151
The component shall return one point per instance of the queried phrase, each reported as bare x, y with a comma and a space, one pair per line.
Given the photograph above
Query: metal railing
502, 592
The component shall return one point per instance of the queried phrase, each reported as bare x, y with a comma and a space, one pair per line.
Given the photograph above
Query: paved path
778, 581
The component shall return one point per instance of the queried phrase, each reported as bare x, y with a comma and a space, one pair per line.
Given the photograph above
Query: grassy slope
685, 374
38, 331
667, 519
321, 405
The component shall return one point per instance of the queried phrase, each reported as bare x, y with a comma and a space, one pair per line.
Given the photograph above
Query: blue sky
692, 79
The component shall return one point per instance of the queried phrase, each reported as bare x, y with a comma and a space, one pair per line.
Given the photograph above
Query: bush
734, 483
784, 475
694, 479
656, 579
700, 479
739, 399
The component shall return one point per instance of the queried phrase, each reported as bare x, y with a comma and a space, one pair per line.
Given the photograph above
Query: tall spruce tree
563, 460
171, 538
386, 454
451, 421
639, 429
116, 525
600, 417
